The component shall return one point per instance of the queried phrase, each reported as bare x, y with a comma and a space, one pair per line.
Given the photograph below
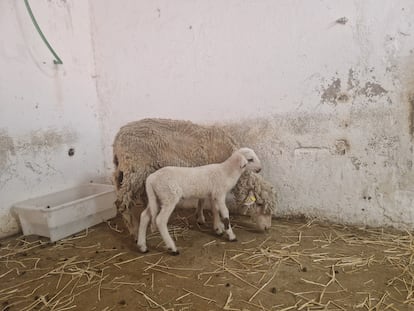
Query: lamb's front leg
217, 223
224, 212
199, 212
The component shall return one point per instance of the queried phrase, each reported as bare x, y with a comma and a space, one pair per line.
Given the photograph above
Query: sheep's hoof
143, 249
233, 240
219, 233
175, 253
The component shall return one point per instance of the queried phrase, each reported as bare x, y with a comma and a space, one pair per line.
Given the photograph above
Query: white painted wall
45, 109
325, 104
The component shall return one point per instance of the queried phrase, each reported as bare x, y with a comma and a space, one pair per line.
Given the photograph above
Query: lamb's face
253, 162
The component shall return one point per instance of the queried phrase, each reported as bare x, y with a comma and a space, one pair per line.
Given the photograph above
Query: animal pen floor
298, 265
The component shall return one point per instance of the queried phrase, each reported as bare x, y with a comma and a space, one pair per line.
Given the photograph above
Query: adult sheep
142, 147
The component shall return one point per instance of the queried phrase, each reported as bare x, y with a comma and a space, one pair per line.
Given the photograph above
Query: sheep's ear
243, 162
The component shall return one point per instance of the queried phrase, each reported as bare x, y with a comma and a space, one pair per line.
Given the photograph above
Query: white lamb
168, 185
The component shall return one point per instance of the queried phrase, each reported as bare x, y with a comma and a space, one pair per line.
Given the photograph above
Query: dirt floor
298, 265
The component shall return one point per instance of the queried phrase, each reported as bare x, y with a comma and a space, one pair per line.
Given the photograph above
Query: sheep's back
163, 142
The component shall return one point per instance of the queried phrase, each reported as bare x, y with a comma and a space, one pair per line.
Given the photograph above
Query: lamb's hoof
233, 240
175, 253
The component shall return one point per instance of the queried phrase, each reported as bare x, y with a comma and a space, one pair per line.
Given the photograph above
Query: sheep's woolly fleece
142, 147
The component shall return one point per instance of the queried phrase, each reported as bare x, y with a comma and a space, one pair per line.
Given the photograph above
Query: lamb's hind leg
142, 230
162, 221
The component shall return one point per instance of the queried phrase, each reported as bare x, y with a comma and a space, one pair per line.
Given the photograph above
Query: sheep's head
257, 197
131, 222
255, 207
251, 161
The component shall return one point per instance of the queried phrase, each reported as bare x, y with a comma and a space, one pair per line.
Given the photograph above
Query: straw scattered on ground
296, 266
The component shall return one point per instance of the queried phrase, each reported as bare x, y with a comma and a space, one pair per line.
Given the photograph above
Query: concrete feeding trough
64, 213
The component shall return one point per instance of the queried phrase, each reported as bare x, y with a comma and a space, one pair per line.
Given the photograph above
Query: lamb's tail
152, 205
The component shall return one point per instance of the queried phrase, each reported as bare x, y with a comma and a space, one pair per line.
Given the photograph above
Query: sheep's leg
142, 230
224, 212
199, 212
217, 224
162, 220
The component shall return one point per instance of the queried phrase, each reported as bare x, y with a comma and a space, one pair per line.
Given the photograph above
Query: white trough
64, 213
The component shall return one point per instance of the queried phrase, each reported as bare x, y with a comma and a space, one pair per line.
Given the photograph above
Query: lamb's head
251, 161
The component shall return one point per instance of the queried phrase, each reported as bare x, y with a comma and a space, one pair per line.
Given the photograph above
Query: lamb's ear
243, 162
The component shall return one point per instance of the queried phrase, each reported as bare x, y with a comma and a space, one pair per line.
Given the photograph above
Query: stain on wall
341, 147
49, 139
7, 149
7, 154
371, 89
32, 152
353, 174
336, 92
330, 92
411, 114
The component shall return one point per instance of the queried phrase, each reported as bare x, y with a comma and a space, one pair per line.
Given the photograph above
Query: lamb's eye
249, 160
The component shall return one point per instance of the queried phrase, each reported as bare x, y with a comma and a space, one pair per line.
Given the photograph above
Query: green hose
57, 59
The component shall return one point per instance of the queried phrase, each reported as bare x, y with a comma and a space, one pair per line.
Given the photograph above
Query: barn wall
46, 109
322, 89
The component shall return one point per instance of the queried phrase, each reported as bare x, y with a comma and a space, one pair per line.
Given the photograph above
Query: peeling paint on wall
317, 164
371, 89
335, 92
330, 93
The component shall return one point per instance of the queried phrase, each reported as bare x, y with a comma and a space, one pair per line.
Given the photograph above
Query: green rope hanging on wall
57, 59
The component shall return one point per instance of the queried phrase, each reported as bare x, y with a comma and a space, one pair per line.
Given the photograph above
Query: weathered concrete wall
322, 89
45, 109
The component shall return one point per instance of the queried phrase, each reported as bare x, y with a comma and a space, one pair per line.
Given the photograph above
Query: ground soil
297, 265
